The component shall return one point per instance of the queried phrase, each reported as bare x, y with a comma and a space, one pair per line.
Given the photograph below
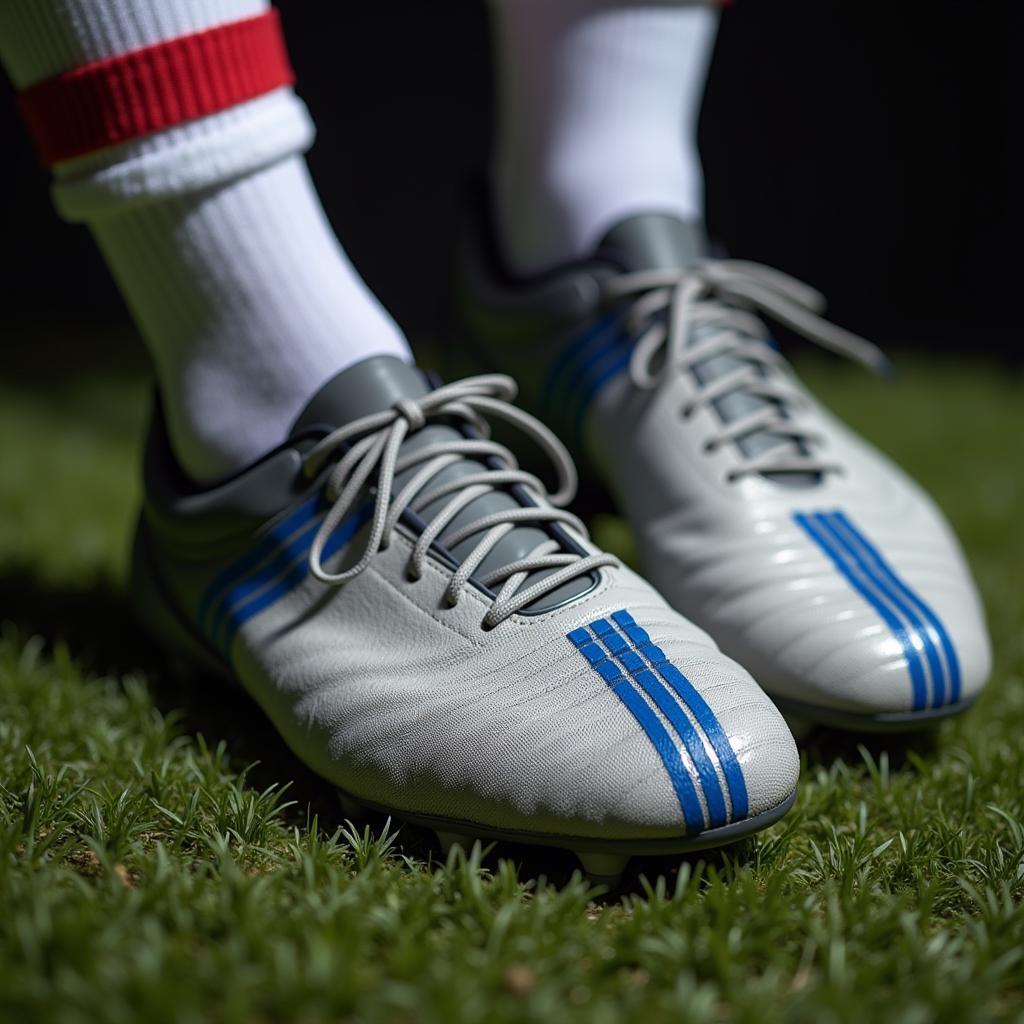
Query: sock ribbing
43, 38
211, 226
137, 93
253, 305
136, 101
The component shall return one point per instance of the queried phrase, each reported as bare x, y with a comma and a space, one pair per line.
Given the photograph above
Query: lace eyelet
486, 627
412, 577
732, 477
709, 448
687, 412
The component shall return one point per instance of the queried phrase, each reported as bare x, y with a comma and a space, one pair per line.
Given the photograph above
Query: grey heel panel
158, 616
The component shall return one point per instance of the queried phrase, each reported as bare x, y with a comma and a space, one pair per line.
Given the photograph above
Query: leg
210, 223
426, 626
809, 558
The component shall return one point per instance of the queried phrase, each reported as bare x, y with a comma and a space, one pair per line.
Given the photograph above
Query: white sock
214, 233
249, 306
598, 103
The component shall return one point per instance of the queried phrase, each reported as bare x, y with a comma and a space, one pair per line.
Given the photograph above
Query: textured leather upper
400, 699
840, 590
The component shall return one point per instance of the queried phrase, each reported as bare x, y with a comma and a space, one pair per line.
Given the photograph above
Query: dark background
864, 147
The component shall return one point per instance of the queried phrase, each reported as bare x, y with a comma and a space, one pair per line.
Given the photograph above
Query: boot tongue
376, 384
662, 242
653, 241
368, 387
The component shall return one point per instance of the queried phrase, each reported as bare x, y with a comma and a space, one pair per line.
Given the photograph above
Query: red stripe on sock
133, 94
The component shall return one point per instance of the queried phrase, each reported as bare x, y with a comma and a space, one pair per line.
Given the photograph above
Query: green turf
146, 875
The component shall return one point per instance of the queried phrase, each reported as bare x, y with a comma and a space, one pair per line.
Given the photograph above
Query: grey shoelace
683, 318
375, 443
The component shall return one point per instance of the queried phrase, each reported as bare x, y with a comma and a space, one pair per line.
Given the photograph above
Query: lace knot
370, 462
410, 411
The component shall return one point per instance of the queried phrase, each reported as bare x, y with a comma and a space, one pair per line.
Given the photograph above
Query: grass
164, 858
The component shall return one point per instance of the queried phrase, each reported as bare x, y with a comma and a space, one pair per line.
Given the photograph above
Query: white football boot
432, 634
806, 554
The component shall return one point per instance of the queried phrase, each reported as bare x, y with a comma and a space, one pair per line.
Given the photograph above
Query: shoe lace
680, 319
371, 445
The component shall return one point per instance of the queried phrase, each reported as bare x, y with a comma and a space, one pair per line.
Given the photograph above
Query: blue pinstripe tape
864, 586
238, 593
343, 533
614, 651
584, 367
885, 571
596, 374
595, 339
612, 674
279, 534
910, 620
621, 649
696, 703
236, 596
916, 629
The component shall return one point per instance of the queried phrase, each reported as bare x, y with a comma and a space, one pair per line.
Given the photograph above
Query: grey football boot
431, 632
805, 553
